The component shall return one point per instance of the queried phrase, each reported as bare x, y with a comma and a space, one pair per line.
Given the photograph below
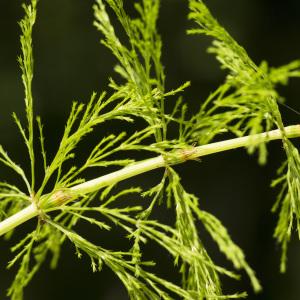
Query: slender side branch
64, 196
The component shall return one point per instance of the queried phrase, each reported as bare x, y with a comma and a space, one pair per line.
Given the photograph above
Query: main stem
63, 196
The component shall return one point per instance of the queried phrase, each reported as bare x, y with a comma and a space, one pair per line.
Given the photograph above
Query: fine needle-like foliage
249, 103
245, 104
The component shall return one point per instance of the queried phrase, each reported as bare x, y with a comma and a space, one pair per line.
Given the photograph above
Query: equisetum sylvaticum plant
245, 106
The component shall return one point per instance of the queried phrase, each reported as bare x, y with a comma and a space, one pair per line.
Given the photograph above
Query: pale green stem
63, 196
20, 217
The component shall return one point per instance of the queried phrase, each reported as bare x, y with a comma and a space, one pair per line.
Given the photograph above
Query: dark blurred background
70, 63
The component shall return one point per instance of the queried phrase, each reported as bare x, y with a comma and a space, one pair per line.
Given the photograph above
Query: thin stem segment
20, 217
62, 197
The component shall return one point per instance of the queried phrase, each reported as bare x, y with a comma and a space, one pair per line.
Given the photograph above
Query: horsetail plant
246, 105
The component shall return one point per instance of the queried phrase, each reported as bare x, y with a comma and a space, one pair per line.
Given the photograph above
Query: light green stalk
63, 196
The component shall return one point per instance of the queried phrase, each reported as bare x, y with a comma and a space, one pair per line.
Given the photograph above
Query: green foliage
249, 103
26, 64
246, 103
288, 200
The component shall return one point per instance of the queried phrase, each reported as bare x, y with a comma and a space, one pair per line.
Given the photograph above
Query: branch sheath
179, 156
